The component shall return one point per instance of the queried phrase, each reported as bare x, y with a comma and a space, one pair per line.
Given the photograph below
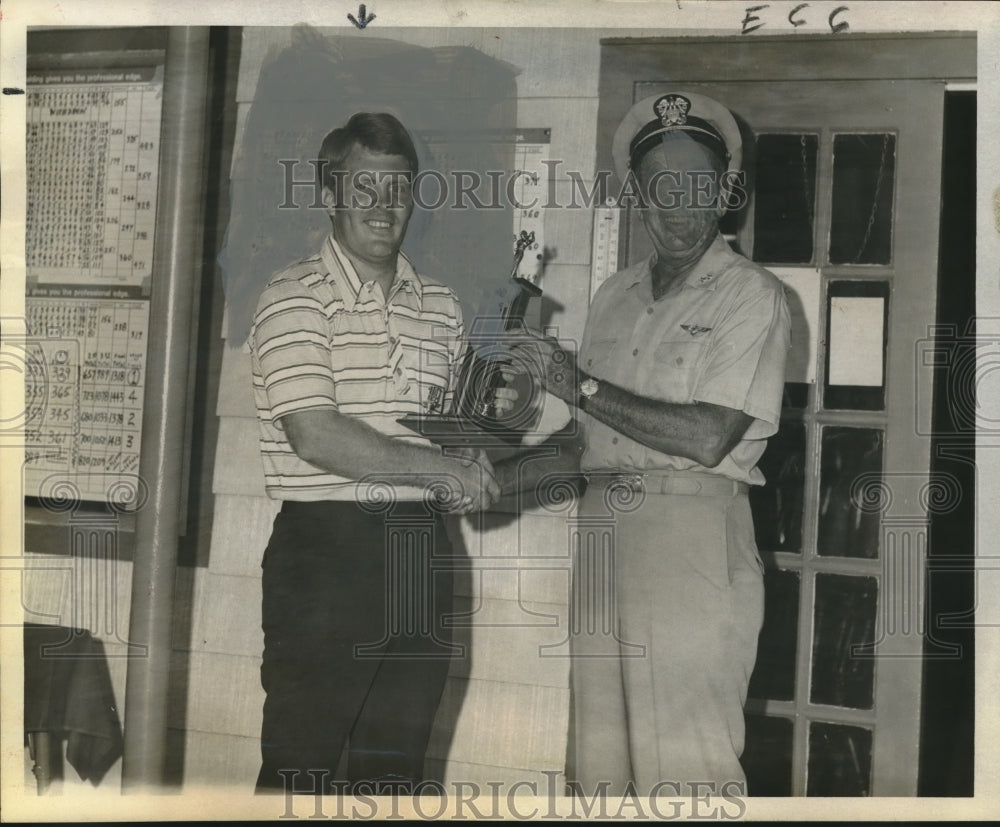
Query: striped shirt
323, 339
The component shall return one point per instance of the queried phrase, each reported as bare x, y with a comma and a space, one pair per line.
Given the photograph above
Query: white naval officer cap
653, 119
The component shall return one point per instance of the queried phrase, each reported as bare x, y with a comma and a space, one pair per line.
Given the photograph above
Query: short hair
378, 132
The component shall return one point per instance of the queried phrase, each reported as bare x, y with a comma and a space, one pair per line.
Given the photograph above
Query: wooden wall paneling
503, 724
235, 384
46, 583
83, 592
568, 233
218, 629
573, 121
240, 533
507, 639
518, 582
214, 759
215, 692
238, 467
516, 781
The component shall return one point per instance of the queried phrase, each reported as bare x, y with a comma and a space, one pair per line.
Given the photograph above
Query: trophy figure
480, 377
473, 416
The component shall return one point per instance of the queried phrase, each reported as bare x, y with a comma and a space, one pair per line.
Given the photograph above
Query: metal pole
176, 271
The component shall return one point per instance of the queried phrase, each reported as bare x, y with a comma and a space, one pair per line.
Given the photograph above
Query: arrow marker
360, 21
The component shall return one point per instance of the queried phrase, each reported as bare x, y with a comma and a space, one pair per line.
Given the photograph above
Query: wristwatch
588, 387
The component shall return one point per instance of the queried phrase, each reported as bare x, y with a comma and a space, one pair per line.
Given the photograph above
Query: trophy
473, 418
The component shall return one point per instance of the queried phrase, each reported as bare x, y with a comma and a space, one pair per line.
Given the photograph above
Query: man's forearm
352, 449
699, 431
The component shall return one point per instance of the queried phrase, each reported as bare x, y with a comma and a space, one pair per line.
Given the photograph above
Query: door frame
699, 63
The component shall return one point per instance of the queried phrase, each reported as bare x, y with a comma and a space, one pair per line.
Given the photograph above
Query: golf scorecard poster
92, 155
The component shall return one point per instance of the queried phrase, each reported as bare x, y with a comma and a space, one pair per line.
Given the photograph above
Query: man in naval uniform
679, 383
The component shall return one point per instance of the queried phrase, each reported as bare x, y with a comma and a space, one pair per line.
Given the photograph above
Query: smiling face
682, 218
371, 213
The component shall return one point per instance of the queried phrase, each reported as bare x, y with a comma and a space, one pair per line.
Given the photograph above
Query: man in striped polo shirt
343, 344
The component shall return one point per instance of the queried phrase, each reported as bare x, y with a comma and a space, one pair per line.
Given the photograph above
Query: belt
705, 485
312, 508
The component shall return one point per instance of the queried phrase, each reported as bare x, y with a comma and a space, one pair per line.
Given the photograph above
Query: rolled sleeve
290, 340
745, 366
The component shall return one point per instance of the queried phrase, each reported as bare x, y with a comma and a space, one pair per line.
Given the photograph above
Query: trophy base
451, 429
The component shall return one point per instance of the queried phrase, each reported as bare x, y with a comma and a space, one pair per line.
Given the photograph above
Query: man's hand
476, 488
353, 449
505, 397
553, 368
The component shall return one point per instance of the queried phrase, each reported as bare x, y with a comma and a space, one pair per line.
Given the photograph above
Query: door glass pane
796, 395
777, 505
774, 675
784, 199
729, 225
849, 485
840, 760
767, 757
857, 326
864, 168
844, 622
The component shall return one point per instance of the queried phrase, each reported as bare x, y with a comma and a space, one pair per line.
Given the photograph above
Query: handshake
473, 482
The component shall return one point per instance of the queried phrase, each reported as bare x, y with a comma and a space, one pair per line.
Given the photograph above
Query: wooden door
844, 185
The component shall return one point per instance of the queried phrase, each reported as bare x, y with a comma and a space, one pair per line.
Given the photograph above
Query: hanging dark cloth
68, 695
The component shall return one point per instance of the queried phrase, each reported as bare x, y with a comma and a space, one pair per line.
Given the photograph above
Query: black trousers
354, 645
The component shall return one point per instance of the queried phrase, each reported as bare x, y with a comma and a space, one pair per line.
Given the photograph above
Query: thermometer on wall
604, 254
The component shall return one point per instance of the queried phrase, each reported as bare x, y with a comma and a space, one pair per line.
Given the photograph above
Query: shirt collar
342, 271
704, 273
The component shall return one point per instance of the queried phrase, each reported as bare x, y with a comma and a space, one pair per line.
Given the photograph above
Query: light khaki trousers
668, 601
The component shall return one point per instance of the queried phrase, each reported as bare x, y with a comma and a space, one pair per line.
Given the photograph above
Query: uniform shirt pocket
673, 373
